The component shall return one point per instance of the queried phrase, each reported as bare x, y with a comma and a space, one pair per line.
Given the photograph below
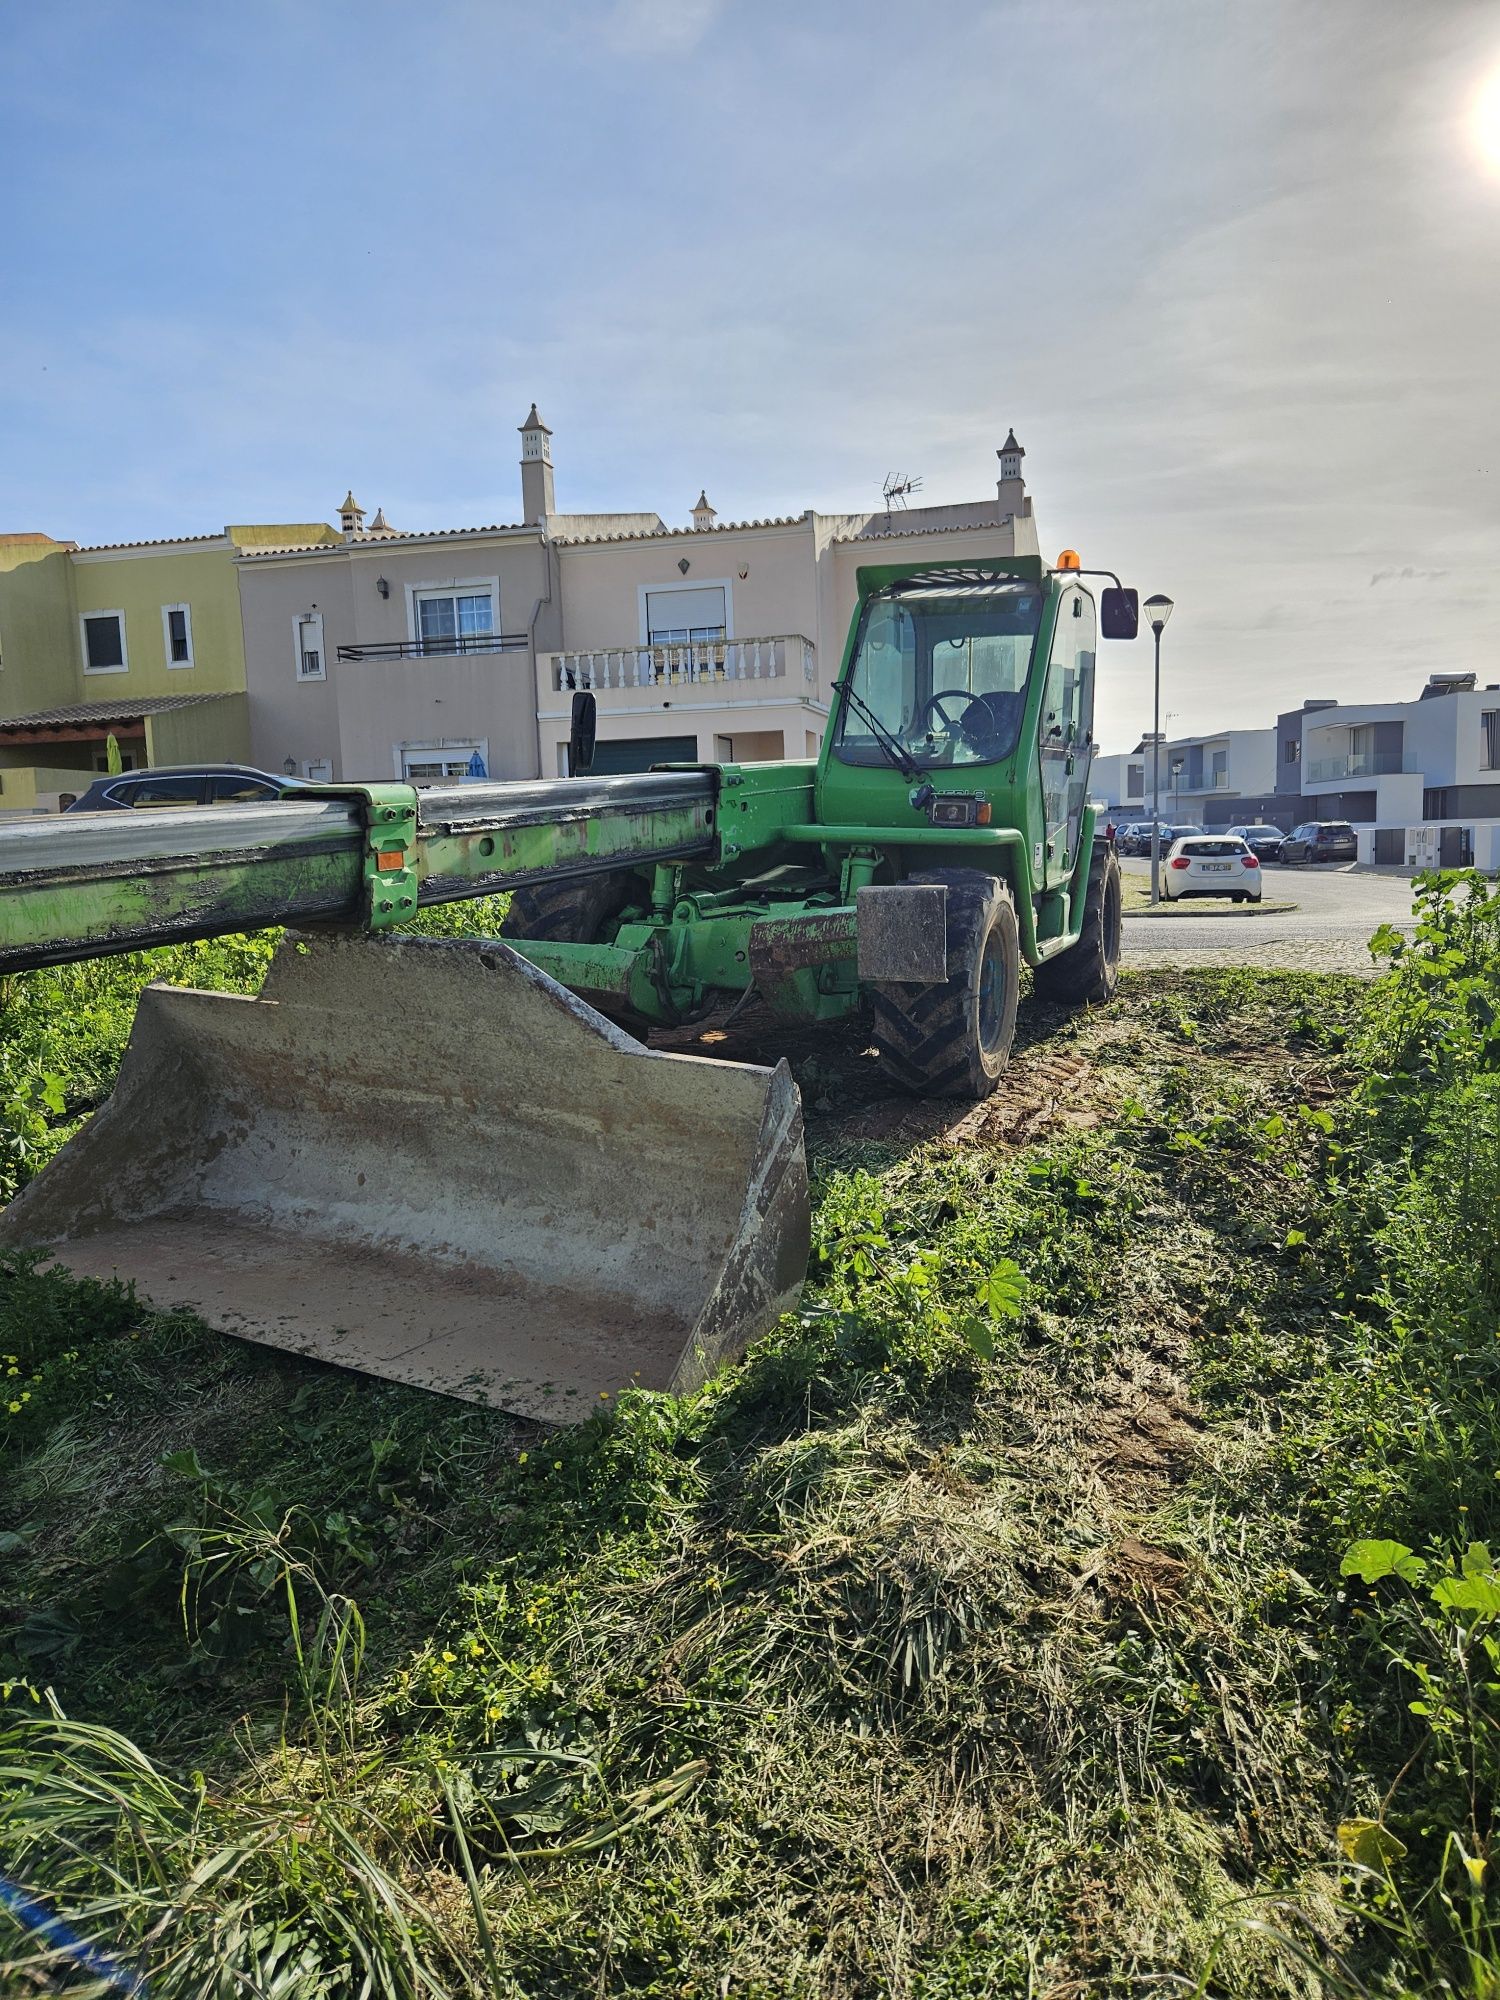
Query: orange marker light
389, 858
1069, 559
983, 814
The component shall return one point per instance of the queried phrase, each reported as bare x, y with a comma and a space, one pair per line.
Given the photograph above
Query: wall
602, 582
210, 732
139, 583
483, 697
363, 708
38, 642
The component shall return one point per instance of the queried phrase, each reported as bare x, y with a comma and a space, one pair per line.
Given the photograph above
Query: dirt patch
848, 1097
1147, 1433
1133, 1570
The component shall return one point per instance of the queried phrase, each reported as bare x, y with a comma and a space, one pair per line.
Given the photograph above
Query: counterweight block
429, 1161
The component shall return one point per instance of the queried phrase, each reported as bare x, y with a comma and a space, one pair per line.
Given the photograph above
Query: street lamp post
1158, 610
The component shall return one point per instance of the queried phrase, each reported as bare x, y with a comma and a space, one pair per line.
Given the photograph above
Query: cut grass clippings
876, 1667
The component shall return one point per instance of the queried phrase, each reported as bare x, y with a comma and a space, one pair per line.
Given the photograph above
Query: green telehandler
451, 1162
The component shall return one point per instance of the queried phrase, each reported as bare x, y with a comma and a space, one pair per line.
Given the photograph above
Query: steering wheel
934, 706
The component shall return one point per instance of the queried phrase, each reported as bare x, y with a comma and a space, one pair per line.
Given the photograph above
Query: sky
1229, 269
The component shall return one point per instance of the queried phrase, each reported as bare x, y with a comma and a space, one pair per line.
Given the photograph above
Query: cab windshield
941, 665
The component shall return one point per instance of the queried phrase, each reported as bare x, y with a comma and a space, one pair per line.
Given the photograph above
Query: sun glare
1485, 121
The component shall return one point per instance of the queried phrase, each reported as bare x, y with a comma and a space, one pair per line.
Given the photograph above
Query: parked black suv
1321, 840
185, 785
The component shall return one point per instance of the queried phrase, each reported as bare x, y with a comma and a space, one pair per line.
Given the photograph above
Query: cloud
1408, 574
660, 27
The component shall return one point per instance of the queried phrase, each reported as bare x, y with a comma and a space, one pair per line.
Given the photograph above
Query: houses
1419, 780
142, 642
371, 651
1199, 775
432, 655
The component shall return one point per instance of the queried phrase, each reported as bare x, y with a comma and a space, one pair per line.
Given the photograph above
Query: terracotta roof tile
105, 711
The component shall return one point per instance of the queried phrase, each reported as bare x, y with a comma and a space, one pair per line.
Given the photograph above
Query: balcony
438, 649
1357, 764
732, 669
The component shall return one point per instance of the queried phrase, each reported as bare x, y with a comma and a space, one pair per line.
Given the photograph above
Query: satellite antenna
897, 491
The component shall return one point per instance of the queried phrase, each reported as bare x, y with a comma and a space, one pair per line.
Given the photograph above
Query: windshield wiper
904, 763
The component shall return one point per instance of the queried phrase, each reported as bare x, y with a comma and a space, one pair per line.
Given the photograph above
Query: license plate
1216, 867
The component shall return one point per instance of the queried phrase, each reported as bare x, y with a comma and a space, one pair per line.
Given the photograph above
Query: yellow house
141, 641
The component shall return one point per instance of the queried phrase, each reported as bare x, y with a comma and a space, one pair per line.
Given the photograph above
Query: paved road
1329, 931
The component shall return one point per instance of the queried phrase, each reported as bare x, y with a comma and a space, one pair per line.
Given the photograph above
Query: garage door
639, 753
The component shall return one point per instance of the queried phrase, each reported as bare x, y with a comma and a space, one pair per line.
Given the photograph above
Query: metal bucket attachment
429, 1161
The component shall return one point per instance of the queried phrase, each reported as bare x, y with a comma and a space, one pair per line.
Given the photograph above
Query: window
177, 634
1489, 723
1135, 781
453, 619
233, 788
1293, 750
942, 668
686, 617
440, 763
307, 638
319, 771
162, 792
104, 642
127, 763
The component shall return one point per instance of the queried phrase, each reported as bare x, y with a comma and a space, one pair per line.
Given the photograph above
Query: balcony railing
1358, 764
1206, 781
784, 657
437, 649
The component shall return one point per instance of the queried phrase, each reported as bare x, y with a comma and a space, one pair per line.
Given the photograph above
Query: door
1067, 732
639, 753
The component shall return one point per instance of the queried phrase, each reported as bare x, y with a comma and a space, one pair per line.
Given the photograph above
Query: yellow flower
523, 1458
450, 1656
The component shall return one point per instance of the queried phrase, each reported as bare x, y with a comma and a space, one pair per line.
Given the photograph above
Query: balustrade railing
783, 657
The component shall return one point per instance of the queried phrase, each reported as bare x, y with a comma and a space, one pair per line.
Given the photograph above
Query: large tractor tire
952, 1038
1088, 973
573, 912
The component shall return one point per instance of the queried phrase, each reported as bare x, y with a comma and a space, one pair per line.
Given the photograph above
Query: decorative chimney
380, 526
703, 514
351, 516
1012, 488
536, 469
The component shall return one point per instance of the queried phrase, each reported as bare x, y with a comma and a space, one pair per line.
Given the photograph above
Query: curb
1165, 909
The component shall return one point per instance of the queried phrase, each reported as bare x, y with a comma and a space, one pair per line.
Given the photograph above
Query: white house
1227, 764
1419, 780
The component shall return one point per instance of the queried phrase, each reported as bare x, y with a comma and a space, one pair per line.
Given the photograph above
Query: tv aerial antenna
897, 490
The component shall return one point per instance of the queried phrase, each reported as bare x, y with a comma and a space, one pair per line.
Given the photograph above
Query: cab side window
162, 792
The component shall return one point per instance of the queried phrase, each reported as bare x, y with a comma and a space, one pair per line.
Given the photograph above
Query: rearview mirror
582, 731
1119, 613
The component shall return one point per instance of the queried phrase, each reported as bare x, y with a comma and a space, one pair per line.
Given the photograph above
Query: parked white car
1208, 864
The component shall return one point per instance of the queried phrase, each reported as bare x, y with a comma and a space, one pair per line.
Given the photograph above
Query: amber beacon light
1070, 559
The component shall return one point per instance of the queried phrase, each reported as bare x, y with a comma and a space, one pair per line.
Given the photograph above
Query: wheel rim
991, 995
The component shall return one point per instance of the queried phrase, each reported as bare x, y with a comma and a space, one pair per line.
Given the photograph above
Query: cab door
1067, 732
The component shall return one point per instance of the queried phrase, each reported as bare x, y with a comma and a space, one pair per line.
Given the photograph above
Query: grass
986, 1630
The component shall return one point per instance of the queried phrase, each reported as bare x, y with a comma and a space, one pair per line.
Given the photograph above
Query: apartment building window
440, 763
1293, 750
103, 635
448, 620
319, 771
177, 634
1489, 723
687, 617
307, 639
1135, 781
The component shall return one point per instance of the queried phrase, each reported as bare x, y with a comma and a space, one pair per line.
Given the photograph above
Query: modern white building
1196, 771
1419, 780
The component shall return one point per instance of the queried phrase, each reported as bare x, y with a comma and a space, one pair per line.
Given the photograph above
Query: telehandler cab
445, 1161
